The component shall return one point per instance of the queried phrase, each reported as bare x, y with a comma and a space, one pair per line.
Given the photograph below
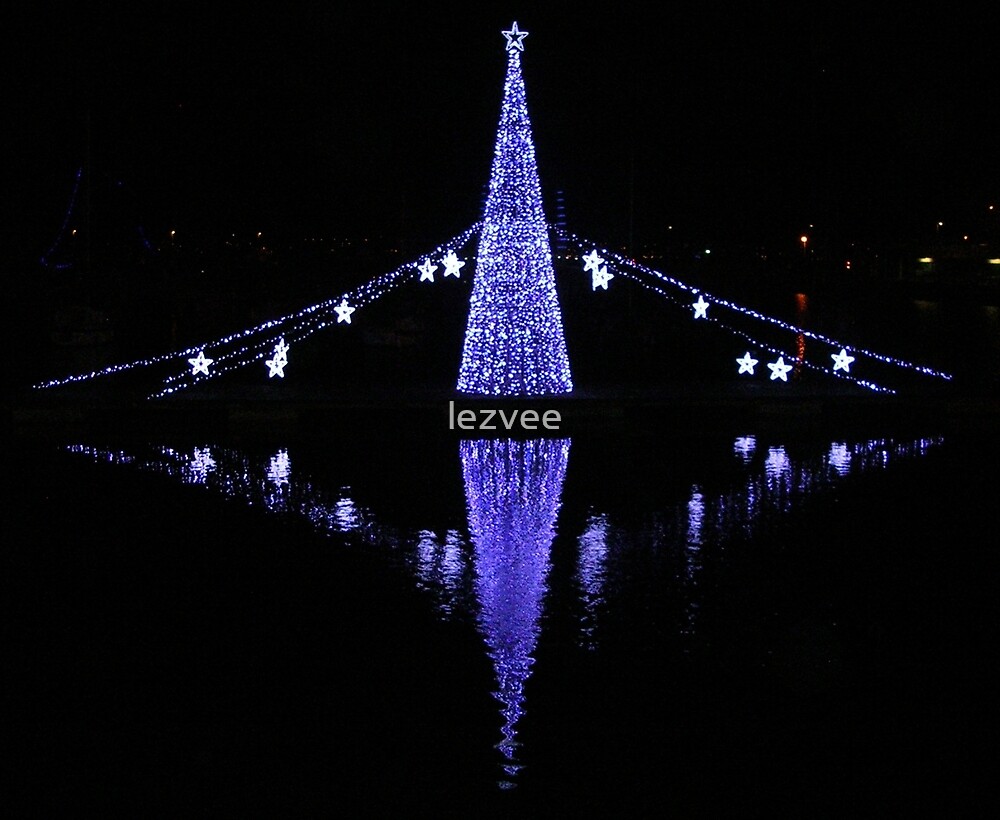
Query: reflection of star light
200, 364
744, 447
600, 278
426, 271
202, 463
279, 469
700, 308
511, 42
779, 370
345, 514
344, 312
746, 364
841, 361
452, 265
840, 457
591, 572
592, 261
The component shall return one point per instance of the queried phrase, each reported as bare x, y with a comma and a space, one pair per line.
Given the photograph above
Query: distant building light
993, 261
925, 260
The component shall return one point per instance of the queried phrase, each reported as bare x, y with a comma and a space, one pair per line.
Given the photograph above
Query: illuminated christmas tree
514, 343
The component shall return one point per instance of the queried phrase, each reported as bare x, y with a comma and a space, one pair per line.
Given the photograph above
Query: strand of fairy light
652, 286
624, 261
305, 322
309, 314
781, 354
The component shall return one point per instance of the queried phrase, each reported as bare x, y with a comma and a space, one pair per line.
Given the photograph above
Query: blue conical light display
514, 343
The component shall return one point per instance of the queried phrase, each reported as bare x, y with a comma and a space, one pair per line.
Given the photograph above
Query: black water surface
176, 651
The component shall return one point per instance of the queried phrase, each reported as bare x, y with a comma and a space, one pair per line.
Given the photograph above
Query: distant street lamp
805, 241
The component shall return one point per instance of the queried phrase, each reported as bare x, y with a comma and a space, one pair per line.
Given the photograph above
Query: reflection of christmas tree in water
513, 490
514, 344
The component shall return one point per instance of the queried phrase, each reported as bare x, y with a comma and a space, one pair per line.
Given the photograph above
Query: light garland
252, 344
655, 280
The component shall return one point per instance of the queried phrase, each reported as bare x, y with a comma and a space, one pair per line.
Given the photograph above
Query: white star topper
515, 43
841, 361
779, 370
344, 311
452, 265
200, 364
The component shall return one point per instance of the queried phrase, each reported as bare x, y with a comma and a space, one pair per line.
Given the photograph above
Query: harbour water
760, 619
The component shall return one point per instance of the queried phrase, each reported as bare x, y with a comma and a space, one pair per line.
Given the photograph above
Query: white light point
841, 361
452, 265
344, 312
592, 261
779, 370
200, 364
600, 278
747, 363
515, 38
700, 308
426, 272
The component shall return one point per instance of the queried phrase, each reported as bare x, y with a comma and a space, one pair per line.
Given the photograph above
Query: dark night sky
737, 121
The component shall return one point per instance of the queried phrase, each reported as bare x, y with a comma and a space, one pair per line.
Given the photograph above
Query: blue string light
641, 274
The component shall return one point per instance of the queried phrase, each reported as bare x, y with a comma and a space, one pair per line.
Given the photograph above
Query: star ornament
601, 278
592, 261
747, 363
426, 273
452, 265
276, 367
344, 312
841, 361
700, 308
779, 370
200, 364
515, 38
276, 364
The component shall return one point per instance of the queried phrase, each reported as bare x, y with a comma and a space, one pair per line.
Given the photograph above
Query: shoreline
236, 410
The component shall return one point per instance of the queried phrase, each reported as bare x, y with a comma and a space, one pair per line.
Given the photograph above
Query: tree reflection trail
513, 490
